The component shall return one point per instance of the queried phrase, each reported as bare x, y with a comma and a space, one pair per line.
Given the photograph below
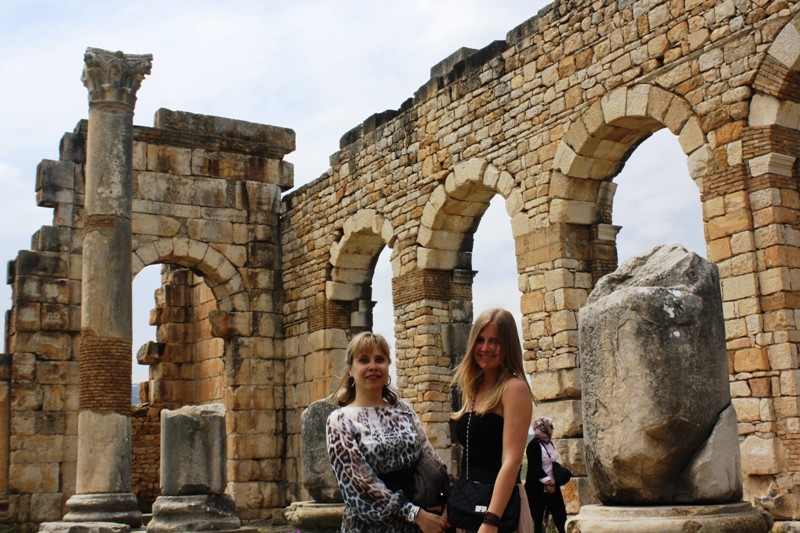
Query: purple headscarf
543, 428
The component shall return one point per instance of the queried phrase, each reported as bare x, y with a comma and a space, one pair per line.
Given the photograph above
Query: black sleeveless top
485, 446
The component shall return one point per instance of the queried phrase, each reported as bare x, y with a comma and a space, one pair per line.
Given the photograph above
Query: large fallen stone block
659, 427
193, 451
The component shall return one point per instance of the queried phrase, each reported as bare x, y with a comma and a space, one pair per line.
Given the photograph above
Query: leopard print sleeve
357, 440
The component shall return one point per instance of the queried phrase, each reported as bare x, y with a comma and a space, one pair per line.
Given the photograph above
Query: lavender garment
549, 456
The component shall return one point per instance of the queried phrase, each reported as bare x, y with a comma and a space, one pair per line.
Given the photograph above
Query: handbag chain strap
469, 422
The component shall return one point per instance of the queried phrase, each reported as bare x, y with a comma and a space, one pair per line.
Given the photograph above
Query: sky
319, 67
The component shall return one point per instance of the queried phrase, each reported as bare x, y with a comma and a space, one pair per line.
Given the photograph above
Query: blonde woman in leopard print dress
374, 440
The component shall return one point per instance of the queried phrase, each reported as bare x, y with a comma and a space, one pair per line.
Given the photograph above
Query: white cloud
656, 201
22, 214
319, 67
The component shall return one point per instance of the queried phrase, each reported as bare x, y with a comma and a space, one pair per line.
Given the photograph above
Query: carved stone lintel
114, 77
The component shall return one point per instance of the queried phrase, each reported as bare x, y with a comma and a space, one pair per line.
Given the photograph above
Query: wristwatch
411, 514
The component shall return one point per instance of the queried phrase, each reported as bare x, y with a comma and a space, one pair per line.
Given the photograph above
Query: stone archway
454, 210
353, 256
577, 244
188, 365
229, 318
436, 298
596, 146
219, 273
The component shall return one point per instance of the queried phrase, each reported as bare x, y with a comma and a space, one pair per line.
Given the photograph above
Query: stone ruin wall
192, 373
545, 119
206, 196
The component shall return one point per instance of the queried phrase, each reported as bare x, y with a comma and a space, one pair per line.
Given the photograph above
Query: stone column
103, 487
193, 476
5, 432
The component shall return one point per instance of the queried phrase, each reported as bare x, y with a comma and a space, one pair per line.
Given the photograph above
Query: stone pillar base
209, 512
725, 518
120, 508
312, 517
83, 527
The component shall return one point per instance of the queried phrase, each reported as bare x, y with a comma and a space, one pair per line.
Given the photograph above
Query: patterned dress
364, 442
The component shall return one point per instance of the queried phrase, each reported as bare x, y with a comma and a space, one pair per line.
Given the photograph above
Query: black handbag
561, 474
431, 483
469, 500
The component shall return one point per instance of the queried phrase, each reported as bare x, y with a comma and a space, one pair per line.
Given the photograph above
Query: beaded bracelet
492, 519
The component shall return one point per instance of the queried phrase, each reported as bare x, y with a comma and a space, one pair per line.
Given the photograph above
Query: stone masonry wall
146, 452
263, 291
205, 201
546, 119
186, 368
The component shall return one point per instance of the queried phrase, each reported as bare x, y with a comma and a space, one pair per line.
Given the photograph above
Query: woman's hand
429, 522
550, 488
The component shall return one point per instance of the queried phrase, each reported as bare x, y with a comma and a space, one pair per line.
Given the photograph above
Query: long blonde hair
468, 374
362, 343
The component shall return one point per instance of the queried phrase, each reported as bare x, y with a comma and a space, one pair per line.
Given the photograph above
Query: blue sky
319, 67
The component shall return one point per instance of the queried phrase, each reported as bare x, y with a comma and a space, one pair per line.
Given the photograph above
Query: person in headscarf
542, 491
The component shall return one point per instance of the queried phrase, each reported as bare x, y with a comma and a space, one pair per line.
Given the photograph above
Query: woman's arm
517, 410
362, 489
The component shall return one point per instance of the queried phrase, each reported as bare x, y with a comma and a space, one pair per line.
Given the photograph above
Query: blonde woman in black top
496, 394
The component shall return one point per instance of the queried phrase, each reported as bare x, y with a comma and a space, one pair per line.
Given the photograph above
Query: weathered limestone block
657, 410
208, 512
83, 527
55, 182
102, 459
567, 415
281, 140
44, 264
318, 477
315, 517
728, 518
193, 450
761, 456
557, 385
717, 467
193, 477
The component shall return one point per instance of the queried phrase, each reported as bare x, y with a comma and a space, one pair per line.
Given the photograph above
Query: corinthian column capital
114, 77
